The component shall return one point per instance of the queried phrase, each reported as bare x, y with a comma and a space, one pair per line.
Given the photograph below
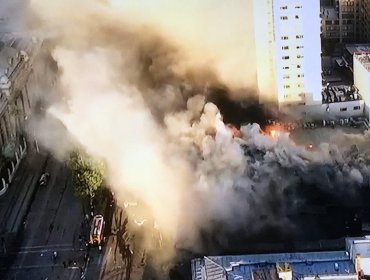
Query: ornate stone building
16, 73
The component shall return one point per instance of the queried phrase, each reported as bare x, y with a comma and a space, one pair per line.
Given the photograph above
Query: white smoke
134, 99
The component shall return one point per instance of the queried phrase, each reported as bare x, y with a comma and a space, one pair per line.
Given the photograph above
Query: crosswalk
44, 249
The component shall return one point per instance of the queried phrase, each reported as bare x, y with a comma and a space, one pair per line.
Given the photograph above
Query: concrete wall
265, 53
332, 111
288, 50
361, 79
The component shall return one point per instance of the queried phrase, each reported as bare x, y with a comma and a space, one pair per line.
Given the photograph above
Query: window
343, 109
284, 38
286, 86
299, 47
285, 57
285, 47
297, 17
298, 66
298, 7
283, 17
286, 77
300, 75
300, 56
356, 108
299, 36
284, 7
286, 67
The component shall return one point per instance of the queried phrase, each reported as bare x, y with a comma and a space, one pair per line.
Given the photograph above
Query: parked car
44, 179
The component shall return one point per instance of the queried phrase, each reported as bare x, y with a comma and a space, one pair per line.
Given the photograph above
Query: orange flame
274, 130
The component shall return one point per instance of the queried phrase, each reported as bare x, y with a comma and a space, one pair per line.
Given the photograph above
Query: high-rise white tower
288, 50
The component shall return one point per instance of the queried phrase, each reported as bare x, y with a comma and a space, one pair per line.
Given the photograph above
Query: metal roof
357, 48
358, 246
308, 264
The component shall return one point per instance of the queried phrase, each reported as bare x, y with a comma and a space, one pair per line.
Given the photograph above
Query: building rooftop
340, 93
329, 13
265, 273
346, 264
357, 48
316, 263
364, 59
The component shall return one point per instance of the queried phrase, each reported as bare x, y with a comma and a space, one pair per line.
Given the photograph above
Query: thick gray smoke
134, 88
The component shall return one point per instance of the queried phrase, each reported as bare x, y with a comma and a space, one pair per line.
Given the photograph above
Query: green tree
87, 174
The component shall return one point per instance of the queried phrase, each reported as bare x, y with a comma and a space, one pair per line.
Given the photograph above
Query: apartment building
288, 51
364, 21
346, 21
361, 76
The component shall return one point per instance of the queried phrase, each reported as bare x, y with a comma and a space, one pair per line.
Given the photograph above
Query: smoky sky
149, 90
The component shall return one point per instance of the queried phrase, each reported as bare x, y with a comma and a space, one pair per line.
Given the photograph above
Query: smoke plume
134, 77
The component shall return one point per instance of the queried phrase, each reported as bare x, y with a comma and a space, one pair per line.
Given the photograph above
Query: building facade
330, 25
288, 51
346, 21
361, 76
16, 69
364, 21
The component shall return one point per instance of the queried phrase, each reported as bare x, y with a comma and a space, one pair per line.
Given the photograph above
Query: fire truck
97, 231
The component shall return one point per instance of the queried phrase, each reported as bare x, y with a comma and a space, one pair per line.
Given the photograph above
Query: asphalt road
13, 204
53, 224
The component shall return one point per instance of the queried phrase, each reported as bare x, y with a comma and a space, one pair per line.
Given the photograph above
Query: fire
274, 133
274, 130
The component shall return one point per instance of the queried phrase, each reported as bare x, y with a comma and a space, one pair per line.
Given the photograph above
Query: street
52, 224
122, 257
51, 219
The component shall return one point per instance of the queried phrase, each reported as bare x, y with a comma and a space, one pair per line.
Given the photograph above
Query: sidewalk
14, 204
